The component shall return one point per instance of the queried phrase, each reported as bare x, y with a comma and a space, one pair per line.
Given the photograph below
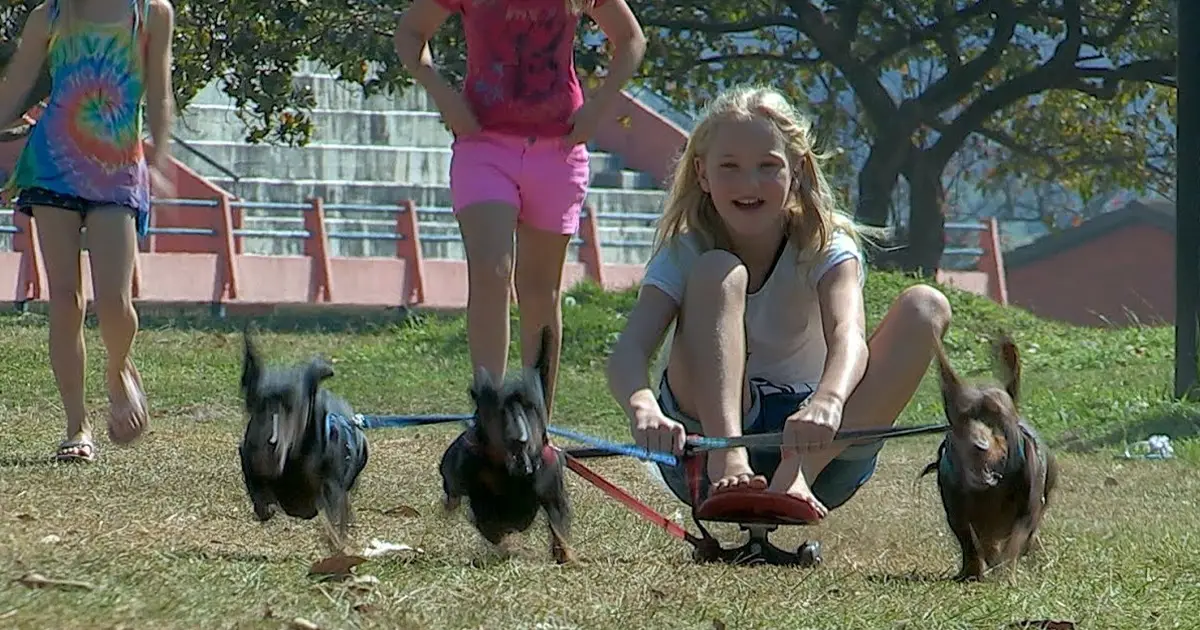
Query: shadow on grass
29, 461
285, 319
910, 578
1178, 423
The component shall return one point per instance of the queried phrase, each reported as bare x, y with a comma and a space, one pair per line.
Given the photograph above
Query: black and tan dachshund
504, 464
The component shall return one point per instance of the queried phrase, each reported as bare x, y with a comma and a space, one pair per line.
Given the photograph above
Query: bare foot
127, 404
730, 470
790, 480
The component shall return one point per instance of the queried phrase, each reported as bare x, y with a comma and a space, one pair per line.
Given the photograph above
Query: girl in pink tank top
519, 163
83, 166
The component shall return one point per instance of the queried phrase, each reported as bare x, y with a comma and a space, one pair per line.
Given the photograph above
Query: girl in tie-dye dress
83, 166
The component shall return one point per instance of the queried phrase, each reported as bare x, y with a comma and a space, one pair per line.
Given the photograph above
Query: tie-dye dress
86, 148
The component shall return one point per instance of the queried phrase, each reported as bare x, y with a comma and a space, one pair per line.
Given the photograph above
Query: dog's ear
251, 364
952, 385
483, 389
1010, 365
318, 370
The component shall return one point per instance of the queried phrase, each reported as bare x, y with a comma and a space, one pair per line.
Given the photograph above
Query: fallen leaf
50, 539
22, 516
339, 565
1110, 482
1045, 624
379, 549
625, 121
37, 580
300, 623
402, 510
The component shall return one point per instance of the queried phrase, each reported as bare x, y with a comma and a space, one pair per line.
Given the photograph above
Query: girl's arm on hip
621, 27
629, 364
25, 64
416, 27
160, 95
843, 319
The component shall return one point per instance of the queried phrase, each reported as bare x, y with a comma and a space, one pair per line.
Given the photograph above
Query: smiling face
747, 173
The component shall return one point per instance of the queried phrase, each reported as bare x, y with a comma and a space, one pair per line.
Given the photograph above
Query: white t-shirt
785, 341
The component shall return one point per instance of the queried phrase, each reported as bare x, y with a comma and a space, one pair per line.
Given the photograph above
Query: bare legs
59, 239
487, 230
540, 259
711, 337
112, 241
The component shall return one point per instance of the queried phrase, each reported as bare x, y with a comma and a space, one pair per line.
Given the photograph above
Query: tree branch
719, 28
957, 81
1054, 72
944, 27
1121, 26
834, 46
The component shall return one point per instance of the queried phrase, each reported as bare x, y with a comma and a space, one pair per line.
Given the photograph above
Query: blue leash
695, 443
631, 450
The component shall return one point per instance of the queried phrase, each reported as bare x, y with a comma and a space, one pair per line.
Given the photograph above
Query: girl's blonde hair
812, 209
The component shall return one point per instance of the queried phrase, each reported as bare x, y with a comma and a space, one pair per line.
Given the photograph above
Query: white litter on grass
379, 548
1155, 447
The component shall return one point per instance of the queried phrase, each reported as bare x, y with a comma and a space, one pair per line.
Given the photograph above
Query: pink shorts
545, 181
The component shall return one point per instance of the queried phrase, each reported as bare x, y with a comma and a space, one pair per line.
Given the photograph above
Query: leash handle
631, 450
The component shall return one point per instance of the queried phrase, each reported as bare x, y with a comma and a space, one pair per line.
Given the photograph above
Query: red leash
629, 501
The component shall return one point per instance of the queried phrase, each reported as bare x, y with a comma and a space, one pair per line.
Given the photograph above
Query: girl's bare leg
540, 259
487, 232
900, 349
711, 338
112, 245
59, 240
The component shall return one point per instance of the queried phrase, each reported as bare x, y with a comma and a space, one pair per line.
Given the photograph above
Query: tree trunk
926, 218
876, 181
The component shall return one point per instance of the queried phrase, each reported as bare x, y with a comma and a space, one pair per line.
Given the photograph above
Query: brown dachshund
994, 473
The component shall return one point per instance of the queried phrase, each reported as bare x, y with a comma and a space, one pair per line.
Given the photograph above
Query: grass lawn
164, 536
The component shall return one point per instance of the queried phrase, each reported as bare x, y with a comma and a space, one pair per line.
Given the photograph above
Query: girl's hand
584, 123
813, 425
654, 431
458, 116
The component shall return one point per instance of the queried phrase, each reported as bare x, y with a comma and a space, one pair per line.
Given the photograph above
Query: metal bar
969, 227
197, 203
269, 205
273, 233
366, 236
774, 440
629, 216
1187, 201
182, 231
381, 422
962, 251
355, 207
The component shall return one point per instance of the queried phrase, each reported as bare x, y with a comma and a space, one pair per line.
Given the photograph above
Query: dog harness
946, 464
352, 427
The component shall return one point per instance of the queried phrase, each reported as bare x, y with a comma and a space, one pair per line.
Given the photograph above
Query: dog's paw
450, 504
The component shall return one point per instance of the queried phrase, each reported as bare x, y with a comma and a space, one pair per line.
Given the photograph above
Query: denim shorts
770, 406
31, 197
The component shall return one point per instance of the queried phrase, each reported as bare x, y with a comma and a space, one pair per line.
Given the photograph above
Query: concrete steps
377, 151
